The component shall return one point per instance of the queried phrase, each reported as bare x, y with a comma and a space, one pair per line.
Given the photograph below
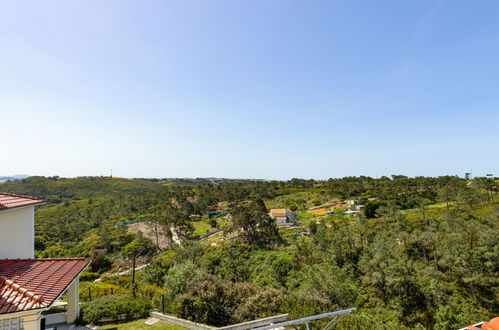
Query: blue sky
249, 89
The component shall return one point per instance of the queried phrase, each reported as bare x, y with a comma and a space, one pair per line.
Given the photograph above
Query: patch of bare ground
148, 230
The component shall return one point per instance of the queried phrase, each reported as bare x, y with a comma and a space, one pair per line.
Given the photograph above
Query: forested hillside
56, 189
422, 253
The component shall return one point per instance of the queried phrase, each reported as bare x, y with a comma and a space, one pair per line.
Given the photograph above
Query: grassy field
200, 228
139, 324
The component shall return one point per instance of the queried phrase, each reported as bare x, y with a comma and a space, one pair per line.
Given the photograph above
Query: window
15, 323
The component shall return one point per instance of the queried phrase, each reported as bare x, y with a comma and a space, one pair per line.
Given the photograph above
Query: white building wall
73, 307
17, 233
29, 320
281, 222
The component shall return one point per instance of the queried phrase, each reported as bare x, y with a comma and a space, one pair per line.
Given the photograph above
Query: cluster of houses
285, 217
30, 287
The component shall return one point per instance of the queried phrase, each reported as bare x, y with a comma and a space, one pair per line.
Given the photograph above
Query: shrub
151, 293
316, 202
100, 261
89, 276
114, 305
139, 246
99, 289
265, 303
179, 276
371, 207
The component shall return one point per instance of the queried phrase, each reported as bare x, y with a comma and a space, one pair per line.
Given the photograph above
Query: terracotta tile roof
277, 212
35, 283
10, 201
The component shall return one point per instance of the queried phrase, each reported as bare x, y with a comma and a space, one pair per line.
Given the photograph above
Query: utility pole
133, 275
133, 269
134, 288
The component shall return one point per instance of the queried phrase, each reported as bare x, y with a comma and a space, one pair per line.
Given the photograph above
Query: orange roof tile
35, 283
10, 201
277, 212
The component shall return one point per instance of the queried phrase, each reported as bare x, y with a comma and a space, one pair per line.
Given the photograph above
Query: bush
139, 246
152, 293
100, 261
89, 276
114, 305
371, 207
179, 276
99, 289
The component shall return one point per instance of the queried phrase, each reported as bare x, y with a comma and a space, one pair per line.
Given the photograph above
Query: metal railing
338, 315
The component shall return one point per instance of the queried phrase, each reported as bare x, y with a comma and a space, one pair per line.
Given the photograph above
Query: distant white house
351, 212
282, 216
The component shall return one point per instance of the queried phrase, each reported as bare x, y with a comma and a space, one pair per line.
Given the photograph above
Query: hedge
113, 306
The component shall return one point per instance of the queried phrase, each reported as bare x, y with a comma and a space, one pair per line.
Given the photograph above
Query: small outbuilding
282, 216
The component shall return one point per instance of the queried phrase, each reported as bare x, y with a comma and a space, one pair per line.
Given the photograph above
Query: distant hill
56, 189
206, 181
14, 177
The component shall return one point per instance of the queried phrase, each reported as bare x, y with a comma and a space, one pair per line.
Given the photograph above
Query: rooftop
35, 283
11, 201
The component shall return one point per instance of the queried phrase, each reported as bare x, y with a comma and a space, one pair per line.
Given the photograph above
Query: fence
128, 222
90, 293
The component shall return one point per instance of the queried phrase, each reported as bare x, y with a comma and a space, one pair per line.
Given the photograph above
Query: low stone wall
240, 326
180, 322
122, 317
256, 323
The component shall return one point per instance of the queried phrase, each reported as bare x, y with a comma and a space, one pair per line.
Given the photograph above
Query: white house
28, 286
282, 216
17, 223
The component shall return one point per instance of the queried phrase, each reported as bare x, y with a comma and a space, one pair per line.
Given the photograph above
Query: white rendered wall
30, 319
73, 307
17, 233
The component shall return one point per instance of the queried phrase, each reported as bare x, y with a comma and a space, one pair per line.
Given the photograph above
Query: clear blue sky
249, 89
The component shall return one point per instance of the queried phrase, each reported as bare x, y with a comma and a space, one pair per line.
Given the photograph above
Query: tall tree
252, 224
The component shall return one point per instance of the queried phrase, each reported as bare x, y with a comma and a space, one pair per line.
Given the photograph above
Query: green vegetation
139, 324
56, 189
113, 306
201, 228
424, 252
89, 291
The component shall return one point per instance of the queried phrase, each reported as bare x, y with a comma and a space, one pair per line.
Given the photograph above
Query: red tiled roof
35, 283
10, 201
277, 212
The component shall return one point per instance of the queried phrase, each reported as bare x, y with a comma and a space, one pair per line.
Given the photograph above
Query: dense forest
422, 253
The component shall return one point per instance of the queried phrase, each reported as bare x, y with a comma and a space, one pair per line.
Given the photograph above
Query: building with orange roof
490, 325
29, 286
282, 216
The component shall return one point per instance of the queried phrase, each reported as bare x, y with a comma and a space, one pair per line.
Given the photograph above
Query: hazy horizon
260, 89
242, 178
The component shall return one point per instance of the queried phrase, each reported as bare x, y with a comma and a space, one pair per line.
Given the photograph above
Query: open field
200, 228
